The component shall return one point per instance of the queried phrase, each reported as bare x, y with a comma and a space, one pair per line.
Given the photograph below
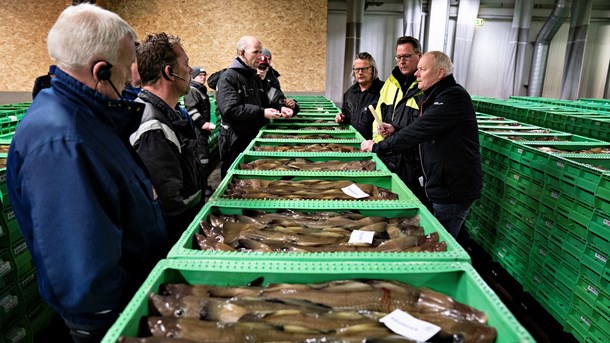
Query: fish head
187, 306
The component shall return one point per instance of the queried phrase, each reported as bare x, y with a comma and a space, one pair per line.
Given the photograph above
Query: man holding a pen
242, 102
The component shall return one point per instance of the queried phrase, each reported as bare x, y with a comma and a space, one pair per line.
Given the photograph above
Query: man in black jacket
197, 104
243, 104
447, 135
166, 139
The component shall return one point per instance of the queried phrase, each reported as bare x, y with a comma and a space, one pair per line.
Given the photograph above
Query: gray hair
441, 61
85, 33
369, 58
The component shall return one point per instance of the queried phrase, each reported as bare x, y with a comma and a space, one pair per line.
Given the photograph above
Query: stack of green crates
22, 311
551, 211
586, 118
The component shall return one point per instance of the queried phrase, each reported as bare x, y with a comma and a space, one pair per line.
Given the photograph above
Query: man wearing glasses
398, 106
364, 92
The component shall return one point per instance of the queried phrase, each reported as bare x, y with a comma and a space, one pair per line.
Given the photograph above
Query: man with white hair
243, 103
83, 200
447, 134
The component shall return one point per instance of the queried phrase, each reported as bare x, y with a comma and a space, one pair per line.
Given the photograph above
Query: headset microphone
178, 76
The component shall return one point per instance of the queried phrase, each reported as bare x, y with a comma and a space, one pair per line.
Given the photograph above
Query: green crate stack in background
563, 199
586, 118
22, 312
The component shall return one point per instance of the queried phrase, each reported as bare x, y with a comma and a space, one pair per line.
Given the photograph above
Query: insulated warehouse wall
294, 31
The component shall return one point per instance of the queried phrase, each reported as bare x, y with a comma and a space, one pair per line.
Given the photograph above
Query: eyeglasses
361, 70
404, 57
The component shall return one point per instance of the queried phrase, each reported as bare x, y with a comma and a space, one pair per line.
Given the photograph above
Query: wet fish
304, 164
154, 340
301, 147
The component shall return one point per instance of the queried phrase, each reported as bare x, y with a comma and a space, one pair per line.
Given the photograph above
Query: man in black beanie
197, 104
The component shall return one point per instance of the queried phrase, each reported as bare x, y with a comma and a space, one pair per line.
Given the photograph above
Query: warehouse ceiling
597, 4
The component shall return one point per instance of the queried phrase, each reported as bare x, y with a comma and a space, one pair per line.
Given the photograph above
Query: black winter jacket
355, 107
167, 144
447, 132
241, 100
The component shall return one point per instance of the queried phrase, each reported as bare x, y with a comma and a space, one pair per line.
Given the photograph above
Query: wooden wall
294, 31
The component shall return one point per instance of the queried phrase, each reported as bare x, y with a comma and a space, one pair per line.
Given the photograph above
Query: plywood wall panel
23, 41
294, 31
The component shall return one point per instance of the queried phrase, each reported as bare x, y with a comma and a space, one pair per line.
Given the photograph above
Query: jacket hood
241, 67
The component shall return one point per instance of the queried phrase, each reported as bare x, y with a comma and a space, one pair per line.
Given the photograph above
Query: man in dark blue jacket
83, 199
243, 103
448, 139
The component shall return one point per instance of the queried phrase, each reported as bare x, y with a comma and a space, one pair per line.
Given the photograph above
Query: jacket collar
151, 98
199, 86
123, 116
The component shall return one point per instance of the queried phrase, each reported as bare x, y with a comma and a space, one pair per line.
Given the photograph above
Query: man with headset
83, 199
243, 104
166, 139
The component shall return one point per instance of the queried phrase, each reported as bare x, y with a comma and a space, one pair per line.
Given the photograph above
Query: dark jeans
452, 216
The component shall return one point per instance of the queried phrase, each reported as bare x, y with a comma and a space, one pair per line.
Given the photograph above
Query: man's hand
367, 145
290, 103
386, 129
339, 118
208, 126
272, 113
286, 112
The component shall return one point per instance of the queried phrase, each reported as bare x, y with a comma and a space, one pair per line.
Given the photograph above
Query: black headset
171, 72
103, 73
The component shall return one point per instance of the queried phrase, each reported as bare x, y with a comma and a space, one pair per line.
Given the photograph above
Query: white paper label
212, 126
13, 118
410, 327
360, 236
592, 290
601, 257
607, 222
354, 191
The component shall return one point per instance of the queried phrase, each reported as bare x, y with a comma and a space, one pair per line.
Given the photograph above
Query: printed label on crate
555, 195
606, 222
408, 326
17, 334
560, 164
520, 151
542, 251
601, 257
585, 320
13, 118
5, 267
360, 236
8, 302
592, 290
354, 191
19, 248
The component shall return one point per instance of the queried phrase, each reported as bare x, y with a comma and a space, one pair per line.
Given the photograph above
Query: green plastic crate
314, 134
390, 182
456, 279
186, 247
577, 324
251, 156
8, 272
352, 144
306, 125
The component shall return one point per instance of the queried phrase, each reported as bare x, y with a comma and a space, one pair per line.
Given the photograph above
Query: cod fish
304, 164
316, 147
154, 340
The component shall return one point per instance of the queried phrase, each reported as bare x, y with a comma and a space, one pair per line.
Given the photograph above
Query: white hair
85, 33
